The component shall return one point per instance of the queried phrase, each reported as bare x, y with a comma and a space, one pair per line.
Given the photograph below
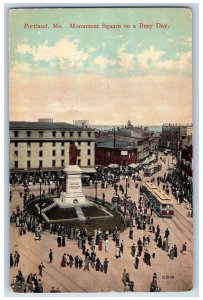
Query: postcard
101, 162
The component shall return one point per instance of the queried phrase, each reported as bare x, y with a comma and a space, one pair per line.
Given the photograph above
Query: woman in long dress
171, 253
117, 252
63, 261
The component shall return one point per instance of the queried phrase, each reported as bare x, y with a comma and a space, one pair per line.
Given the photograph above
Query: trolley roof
162, 197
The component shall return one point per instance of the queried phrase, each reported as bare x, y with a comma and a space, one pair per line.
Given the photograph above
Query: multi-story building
172, 135
45, 146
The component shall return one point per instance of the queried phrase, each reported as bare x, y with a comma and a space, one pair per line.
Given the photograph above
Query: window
62, 152
28, 133
53, 152
40, 153
28, 144
63, 133
16, 144
53, 144
40, 144
41, 134
40, 163
62, 144
53, 133
15, 153
71, 133
79, 152
62, 162
88, 151
16, 133
16, 164
28, 153
79, 143
79, 162
79, 134
53, 163
89, 143
28, 164
88, 162
89, 134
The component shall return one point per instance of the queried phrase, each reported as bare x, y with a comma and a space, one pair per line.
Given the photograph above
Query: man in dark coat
133, 249
167, 233
136, 262
105, 265
40, 268
50, 256
175, 251
59, 241
11, 260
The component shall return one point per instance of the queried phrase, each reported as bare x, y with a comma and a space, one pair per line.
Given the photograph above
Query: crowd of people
138, 215
31, 284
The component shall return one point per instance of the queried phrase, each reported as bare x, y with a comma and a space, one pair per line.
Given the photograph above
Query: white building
45, 146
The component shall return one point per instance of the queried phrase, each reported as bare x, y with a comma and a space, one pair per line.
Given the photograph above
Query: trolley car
161, 202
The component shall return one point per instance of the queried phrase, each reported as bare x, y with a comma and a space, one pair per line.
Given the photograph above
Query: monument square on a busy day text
100, 158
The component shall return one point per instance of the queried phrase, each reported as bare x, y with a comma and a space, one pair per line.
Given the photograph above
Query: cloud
140, 44
103, 61
24, 49
126, 60
149, 56
183, 63
62, 50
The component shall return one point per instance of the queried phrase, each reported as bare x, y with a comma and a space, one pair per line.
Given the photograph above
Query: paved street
173, 275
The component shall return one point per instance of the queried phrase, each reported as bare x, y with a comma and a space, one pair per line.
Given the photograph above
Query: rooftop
15, 125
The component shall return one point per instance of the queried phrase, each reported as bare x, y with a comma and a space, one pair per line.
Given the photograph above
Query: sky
134, 70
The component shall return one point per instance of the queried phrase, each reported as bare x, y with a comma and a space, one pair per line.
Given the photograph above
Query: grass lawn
57, 213
93, 211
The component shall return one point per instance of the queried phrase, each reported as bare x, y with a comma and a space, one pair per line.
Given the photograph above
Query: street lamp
40, 203
126, 186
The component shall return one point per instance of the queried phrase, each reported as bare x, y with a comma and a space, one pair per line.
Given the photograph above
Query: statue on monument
73, 154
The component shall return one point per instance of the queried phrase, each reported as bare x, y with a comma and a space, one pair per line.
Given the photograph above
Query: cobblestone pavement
173, 275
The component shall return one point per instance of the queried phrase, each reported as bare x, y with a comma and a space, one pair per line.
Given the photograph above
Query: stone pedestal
73, 194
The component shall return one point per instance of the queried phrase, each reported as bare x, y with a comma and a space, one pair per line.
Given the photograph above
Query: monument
72, 194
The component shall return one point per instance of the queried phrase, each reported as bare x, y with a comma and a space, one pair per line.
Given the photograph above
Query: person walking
87, 263
124, 275
133, 250
40, 268
11, 260
16, 258
131, 234
167, 233
106, 262
184, 248
175, 251
50, 256
106, 245
118, 253
136, 262
122, 246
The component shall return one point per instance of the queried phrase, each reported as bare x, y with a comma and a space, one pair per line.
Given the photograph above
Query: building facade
120, 153
173, 134
45, 146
